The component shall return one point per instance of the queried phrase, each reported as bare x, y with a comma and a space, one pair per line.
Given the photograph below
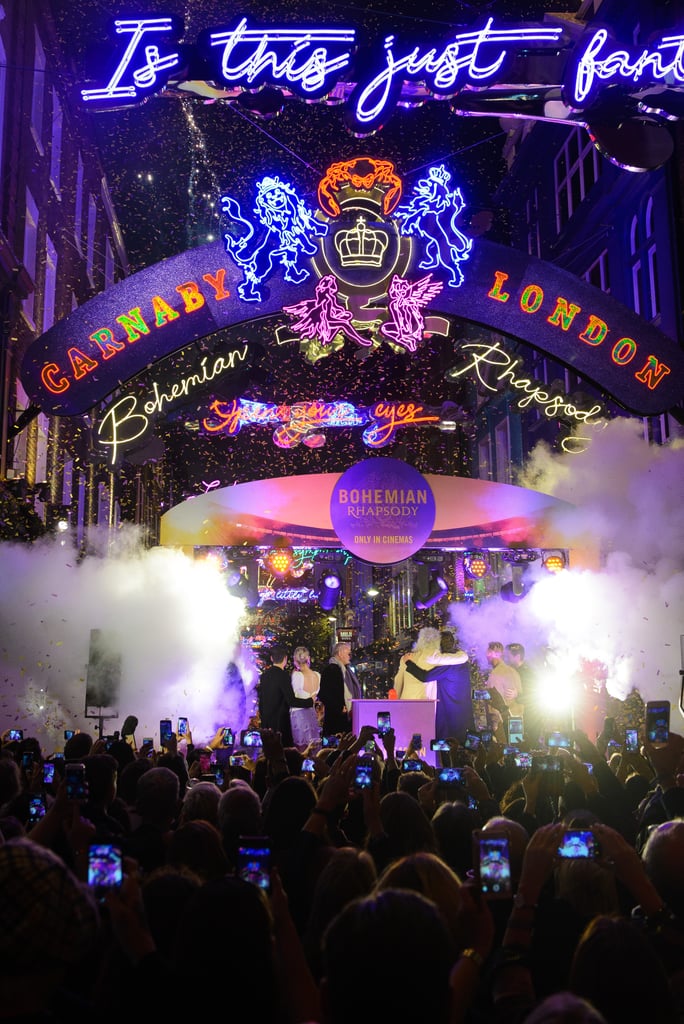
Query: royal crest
432, 214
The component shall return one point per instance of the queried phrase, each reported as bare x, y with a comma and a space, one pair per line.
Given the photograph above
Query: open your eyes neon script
327, 63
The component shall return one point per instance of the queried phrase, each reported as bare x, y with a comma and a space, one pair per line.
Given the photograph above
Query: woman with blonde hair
426, 654
306, 684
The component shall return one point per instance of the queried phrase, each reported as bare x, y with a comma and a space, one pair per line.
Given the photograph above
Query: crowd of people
507, 883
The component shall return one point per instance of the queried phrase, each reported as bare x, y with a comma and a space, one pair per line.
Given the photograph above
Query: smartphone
658, 722
251, 738
515, 729
308, 764
511, 751
27, 761
235, 761
411, 765
182, 727
108, 741
370, 747
330, 741
228, 738
416, 741
37, 808
450, 777
105, 867
76, 785
68, 733
493, 865
472, 741
546, 763
165, 731
481, 695
48, 773
363, 775
632, 740
148, 741
523, 759
558, 739
16, 734
384, 722
208, 777
439, 745
578, 843
254, 861
609, 727
485, 737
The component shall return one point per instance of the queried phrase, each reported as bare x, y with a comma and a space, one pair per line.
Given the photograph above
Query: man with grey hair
339, 687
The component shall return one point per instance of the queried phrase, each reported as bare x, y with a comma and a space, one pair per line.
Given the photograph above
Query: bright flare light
556, 692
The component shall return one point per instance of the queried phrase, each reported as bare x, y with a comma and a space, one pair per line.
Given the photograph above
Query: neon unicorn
432, 213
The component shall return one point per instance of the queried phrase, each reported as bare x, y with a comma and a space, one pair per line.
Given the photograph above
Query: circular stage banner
382, 510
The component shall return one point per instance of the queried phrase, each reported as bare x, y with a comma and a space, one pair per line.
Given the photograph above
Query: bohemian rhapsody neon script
319, 63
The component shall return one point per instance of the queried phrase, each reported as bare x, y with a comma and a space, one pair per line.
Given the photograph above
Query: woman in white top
305, 683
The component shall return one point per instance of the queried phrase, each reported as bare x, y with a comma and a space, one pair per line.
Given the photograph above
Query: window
30, 257
577, 168
532, 216
3, 95
56, 144
503, 452
78, 208
90, 251
38, 94
50, 284
598, 273
645, 285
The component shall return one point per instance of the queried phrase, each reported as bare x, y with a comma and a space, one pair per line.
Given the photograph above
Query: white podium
407, 717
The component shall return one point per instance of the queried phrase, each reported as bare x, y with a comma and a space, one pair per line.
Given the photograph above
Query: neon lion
288, 236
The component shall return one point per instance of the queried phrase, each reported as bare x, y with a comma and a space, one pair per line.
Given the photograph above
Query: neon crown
361, 246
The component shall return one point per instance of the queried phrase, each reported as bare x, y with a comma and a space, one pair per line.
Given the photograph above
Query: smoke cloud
626, 613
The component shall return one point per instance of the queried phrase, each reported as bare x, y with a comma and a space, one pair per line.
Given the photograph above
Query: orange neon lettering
564, 313
163, 313
133, 323
228, 413
652, 373
595, 331
80, 363
47, 375
495, 292
531, 299
104, 339
623, 351
216, 282
191, 296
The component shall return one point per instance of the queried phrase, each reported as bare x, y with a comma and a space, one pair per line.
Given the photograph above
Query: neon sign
302, 422
488, 69
553, 404
288, 230
128, 419
432, 214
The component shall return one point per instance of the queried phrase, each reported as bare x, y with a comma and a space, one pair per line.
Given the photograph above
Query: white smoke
626, 611
175, 624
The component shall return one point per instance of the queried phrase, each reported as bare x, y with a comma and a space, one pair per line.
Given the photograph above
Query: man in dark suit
339, 686
276, 697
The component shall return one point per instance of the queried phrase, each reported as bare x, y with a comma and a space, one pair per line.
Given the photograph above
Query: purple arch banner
118, 334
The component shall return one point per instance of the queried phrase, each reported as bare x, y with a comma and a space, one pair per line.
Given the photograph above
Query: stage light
372, 591
329, 591
279, 561
429, 588
475, 564
554, 561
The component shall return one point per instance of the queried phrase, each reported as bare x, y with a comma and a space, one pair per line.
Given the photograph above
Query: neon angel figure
289, 226
406, 300
432, 214
323, 317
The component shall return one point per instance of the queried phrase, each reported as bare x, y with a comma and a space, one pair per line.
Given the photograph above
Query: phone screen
105, 866
165, 731
254, 862
558, 739
472, 741
228, 738
658, 721
48, 773
578, 843
182, 727
494, 866
450, 777
632, 740
439, 745
416, 741
36, 808
16, 734
515, 729
363, 775
76, 787
384, 722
